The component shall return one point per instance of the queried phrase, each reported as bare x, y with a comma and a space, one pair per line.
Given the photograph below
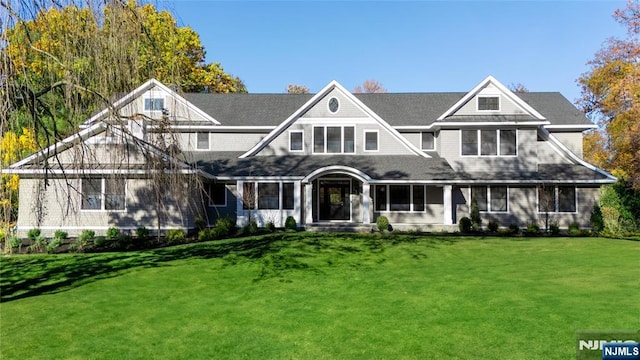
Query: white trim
291, 132
216, 128
364, 139
336, 120
100, 171
92, 227
443, 124
329, 105
503, 91
361, 176
572, 127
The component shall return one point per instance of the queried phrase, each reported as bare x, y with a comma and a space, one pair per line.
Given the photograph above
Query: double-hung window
488, 142
557, 199
333, 139
491, 198
202, 141
428, 141
153, 104
371, 140
296, 140
217, 194
488, 103
103, 194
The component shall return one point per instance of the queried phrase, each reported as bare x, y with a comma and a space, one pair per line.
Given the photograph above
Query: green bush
224, 227
574, 229
99, 241
125, 242
54, 244
597, 221
15, 242
465, 225
382, 223
175, 236
201, 223
112, 233
290, 223
250, 228
84, 238
61, 235
554, 228
514, 228
33, 234
270, 226
206, 235
476, 219
493, 226
39, 244
142, 232
532, 228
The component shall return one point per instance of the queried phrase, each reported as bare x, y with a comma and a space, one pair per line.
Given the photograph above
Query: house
163, 160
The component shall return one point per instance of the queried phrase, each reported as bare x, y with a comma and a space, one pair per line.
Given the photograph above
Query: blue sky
420, 46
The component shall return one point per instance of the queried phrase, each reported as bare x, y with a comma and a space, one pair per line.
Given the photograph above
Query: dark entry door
334, 199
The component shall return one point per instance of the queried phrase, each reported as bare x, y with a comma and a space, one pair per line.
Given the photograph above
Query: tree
297, 89
518, 88
370, 86
611, 97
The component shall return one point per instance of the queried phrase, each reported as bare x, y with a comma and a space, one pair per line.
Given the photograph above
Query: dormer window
153, 104
488, 103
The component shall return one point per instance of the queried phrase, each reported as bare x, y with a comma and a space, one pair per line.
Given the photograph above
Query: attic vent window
333, 105
153, 104
488, 103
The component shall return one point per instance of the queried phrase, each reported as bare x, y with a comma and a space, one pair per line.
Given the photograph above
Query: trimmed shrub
574, 229
290, 223
554, 228
205, 235
39, 244
532, 228
465, 225
201, 223
112, 233
382, 223
597, 221
15, 242
514, 228
250, 228
84, 238
175, 236
99, 241
493, 226
33, 234
224, 227
125, 241
61, 235
270, 226
142, 232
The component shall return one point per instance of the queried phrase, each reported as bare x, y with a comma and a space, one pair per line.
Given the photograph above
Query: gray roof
398, 109
378, 167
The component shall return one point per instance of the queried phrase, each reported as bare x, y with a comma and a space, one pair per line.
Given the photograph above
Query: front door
335, 203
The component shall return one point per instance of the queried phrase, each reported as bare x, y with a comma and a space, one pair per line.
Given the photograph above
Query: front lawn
321, 296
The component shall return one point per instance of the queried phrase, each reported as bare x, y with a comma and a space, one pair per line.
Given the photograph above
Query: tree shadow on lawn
26, 276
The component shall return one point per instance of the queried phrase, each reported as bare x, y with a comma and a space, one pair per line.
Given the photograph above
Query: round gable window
333, 105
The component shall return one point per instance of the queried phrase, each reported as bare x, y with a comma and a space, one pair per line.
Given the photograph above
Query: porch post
308, 203
239, 207
448, 205
366, 203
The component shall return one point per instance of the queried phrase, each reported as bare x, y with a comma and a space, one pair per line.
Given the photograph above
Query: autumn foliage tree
371, 87
611, 97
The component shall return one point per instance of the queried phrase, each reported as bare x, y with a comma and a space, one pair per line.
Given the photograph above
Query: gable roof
333, 85
128, 98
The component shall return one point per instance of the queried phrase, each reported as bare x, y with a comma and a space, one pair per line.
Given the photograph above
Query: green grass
321, 296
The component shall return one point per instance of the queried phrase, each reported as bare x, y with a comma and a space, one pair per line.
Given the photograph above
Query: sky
407, 46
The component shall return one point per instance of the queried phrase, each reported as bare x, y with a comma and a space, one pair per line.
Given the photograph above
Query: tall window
491, 198
217, 194
428, 141
333, 139
418, 197
488, 103
103, 194
268, 196
371, 141
381, 197
399, 197
557, 199
287, 196
296, 140
202, 141
488, 143
153, 104
249, 196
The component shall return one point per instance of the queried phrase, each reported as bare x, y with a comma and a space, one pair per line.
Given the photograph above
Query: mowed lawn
321, 296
